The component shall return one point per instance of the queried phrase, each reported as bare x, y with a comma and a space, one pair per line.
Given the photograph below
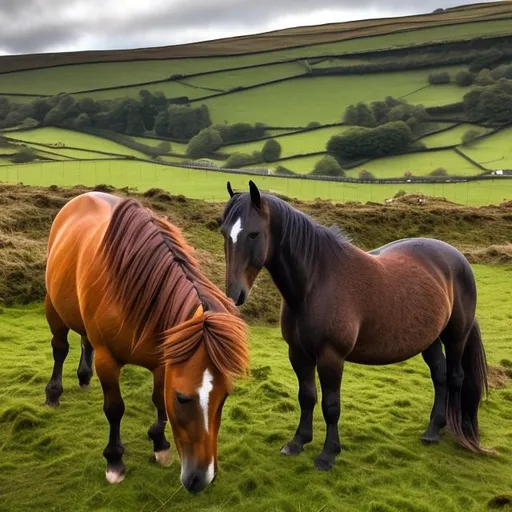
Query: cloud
31, 26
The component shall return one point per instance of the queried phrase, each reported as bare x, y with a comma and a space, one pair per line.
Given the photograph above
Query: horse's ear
230, 190
255, 195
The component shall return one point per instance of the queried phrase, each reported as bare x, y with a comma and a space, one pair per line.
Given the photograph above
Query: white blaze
235, 230
210, 473
204, 395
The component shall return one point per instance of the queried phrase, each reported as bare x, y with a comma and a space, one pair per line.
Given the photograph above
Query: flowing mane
156, 280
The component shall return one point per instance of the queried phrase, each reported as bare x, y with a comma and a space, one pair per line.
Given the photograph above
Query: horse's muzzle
237, 293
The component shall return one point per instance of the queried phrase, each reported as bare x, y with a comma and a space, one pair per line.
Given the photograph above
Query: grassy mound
26, 214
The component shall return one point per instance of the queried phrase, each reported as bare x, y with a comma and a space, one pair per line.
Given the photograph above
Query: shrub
359, 115
328, 166
400, 193
283, 170
23, 155
464, 78
439, 78
365, 175
82, 121
439, 172
164, 147
484, 77
204, 143
271, 150
30, 122
486, 59
313, 124
469, 137
237, 160
240, 131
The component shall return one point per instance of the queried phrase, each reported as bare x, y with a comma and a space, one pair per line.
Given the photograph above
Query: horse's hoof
115, 474
291, 448
52, 403
163, 457
84, 386
429, 438
324, 462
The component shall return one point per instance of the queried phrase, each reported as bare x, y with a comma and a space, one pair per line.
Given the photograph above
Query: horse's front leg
156, 432
304, 368
330, 371
108, 371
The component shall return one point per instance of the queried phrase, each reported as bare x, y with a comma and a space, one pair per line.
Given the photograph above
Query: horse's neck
288, 268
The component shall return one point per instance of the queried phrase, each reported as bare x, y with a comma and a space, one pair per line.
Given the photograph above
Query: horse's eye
254, 235
182, 399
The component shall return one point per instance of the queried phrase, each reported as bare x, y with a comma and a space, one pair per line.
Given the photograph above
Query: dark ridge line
433, 24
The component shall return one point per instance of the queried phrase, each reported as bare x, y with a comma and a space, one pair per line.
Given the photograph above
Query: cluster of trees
328, 166
270, 152
390, 110
492, 103
485, 76
390, 138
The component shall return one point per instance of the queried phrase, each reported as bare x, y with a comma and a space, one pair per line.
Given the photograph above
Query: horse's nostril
194, 483
241, 298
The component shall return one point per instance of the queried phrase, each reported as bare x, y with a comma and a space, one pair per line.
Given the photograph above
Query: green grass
453, 136
176, 147
211, 185
324, 99
89, 76
296, 144
436, 95
74, 139
299, 165
493, 152
421, 164
383, 466
226, 80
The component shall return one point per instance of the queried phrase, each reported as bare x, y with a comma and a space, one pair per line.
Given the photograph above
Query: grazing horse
341, 303
128, 283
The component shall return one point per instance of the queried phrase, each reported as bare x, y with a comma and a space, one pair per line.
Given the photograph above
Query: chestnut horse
344, 304
128, 283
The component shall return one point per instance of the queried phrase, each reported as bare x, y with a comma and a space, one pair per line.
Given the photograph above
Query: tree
271, 151
23, 155
440, 171
365, 175
351, 116
237, 160
13, 118
164, 147
54, 117
204, 143
328, 166
487, 59
380, 111
88, 106
161, 126
439, 78
484, 77
469, 137
82, 121
464, 78
365, 116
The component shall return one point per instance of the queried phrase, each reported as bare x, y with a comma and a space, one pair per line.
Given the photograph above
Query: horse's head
246, 241
202, 356
195, 392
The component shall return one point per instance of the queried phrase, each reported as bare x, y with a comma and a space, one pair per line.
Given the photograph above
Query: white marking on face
204, 395
210, 473
235, 230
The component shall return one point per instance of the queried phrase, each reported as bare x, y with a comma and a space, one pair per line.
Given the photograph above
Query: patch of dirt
498, 377
494, 254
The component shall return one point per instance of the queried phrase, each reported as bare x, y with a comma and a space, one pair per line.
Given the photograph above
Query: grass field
211, 185
295, 144
324, 99
494, 152
450, 137
74, 139
382, 468
176, 147
421, 164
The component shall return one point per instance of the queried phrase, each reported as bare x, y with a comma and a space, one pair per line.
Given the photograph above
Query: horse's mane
300, 234
155, 279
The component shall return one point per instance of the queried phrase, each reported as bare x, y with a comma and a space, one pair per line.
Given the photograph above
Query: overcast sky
31, 26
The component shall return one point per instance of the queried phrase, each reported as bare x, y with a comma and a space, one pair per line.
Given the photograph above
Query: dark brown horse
343, 304
128, 283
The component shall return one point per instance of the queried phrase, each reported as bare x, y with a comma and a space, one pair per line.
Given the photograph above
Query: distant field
176, 147
435, 95
450, 137
324, 99
299, 165
295, 144
493, 152
74, 139
211, 185
226, 80
421, 164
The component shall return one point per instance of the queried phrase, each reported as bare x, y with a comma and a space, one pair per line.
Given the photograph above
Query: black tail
462, 404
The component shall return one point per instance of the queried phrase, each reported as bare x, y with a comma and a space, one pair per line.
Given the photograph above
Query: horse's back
72, 246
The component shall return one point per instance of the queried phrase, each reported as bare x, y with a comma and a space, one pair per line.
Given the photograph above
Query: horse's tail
462, 404
225, 339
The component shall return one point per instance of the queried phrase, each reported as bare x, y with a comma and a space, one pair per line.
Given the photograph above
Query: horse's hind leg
60, 348
84, 371
436, 361
156, 432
